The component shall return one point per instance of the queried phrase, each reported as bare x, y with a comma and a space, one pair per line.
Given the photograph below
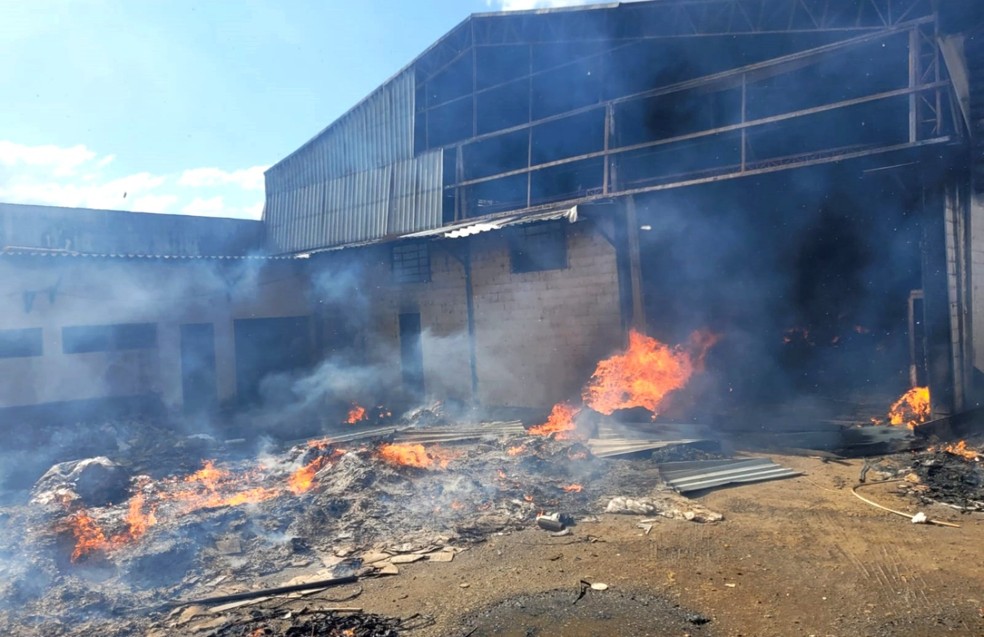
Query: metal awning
477, 226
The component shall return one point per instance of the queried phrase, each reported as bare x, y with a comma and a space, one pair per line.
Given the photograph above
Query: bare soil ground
800, 556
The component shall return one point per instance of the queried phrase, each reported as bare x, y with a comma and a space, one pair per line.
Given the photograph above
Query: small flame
515, 451
573, 488
415, 455
137, 522
501, 474
356, 414
90, 536
560, 423
960, 450
911, 409
645, 373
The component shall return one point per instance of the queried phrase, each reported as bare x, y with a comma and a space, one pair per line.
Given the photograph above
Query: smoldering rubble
103, 548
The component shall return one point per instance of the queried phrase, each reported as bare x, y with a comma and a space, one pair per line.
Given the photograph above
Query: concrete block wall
443, 318
540, 334
112, 291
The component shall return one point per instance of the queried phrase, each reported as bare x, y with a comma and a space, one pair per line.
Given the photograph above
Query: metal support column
635, 265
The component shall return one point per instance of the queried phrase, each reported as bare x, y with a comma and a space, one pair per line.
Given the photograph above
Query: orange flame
911, 409
573, 488
356, 414
137, 522
302, 480
409, 455
214, 487
960, 450
560, 423
645, 373
319, 443
515, 451
90, 536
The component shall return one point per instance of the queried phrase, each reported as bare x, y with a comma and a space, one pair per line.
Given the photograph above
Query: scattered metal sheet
609, 447
706, 474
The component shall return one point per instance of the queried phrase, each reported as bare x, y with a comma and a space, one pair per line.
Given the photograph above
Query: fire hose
854, 490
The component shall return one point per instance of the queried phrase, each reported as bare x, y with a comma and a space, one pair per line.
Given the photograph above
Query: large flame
645, 373
911, 409
560, 423
415, 455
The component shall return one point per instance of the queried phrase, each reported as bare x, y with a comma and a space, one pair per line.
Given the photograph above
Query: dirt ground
800, 556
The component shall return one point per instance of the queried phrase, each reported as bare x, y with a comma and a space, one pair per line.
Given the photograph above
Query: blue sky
181, 104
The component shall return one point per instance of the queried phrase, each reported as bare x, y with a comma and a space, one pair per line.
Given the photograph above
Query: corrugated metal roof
705, 474
16, 251
476, 226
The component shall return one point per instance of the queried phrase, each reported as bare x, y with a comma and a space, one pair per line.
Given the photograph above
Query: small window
107, 338
411, 263
20, 343
539, 246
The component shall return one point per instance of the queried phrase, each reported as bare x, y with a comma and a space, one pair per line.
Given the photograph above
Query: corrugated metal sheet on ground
706, 474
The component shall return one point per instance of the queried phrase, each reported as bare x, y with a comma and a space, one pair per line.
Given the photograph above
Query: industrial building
799, 177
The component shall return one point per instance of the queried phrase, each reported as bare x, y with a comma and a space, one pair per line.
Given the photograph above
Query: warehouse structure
791, 174
800, 177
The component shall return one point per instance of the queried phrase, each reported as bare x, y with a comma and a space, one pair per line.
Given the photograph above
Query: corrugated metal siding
358, 180
395, 199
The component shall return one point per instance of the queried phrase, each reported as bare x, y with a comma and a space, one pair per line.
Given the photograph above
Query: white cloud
247, 178
79, 177
211, 207
61, 161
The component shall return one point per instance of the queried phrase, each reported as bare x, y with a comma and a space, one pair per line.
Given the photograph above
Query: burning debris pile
359, 502
952, 474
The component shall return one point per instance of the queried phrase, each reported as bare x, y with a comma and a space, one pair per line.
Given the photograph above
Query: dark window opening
494, 155
499, 64
567, 181
452, 82
567, 88
21, 343
496, 195
449, 123
411, 354
266, 347
449, 172
108, 338
503, 107
411, 263
539, 246
569, 137
665, 116
705, 155
833, 79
